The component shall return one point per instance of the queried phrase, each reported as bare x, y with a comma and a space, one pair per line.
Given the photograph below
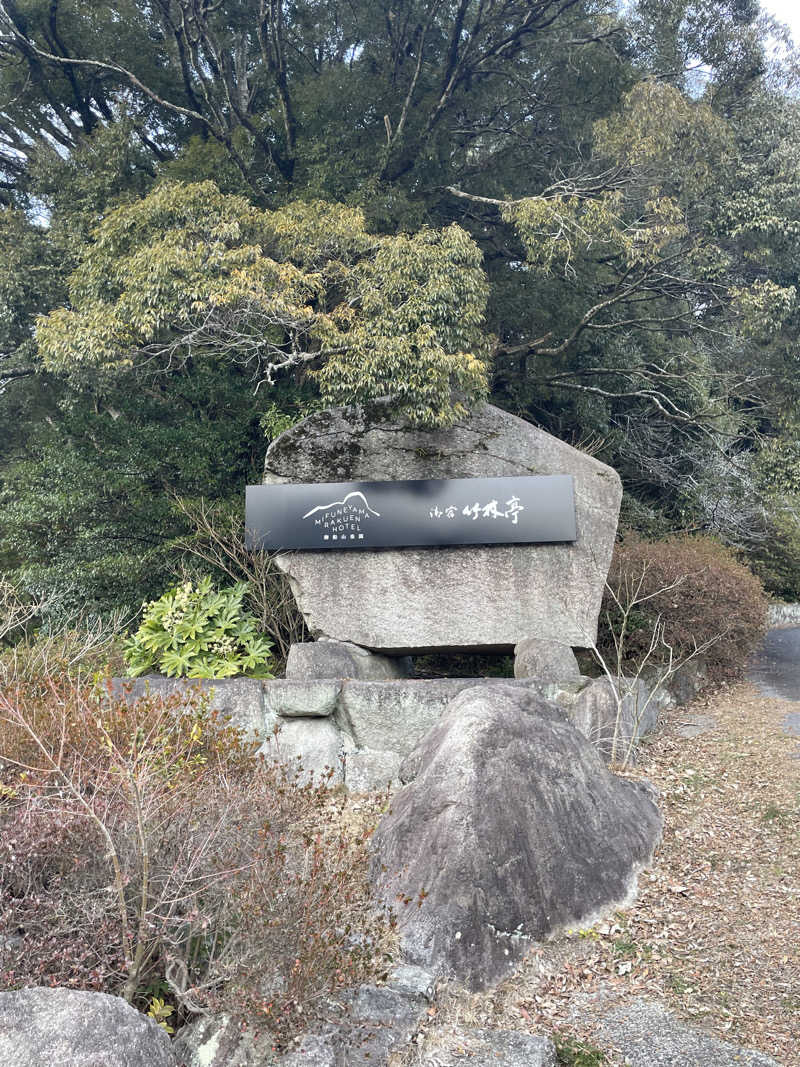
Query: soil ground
715, 930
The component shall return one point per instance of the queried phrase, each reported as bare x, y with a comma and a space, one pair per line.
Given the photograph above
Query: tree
189, 274
622, 183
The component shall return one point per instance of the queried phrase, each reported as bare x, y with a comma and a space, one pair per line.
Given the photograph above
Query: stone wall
363, 728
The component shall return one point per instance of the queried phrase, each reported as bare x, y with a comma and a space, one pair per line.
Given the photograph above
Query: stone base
364, 729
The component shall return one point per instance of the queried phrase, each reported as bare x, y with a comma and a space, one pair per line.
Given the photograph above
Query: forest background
216, 217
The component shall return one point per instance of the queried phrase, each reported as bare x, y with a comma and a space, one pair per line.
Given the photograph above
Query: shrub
198, 632
696, 590
218, 541
146, 851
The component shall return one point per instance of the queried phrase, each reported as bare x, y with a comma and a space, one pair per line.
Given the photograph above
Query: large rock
314, 745
465, 597
69, 1028
548, 661
614, 716
513, 828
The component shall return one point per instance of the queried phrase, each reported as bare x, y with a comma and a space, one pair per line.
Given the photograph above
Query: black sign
460, 511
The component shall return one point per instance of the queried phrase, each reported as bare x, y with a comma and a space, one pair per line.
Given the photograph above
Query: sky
787, 11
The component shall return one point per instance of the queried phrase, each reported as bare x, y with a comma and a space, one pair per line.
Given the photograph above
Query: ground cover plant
196, 631
145, 850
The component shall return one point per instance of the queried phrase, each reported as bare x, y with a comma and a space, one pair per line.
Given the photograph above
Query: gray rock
240, 698
341, 659
599, 714
380, 1021
366, 769
422, 599
374, 1023
412, 980
549, 661
696, 726
292, 698
395, 716
491, 1048
209, 1042
313, 1050
687, 681
70, 1028
514, 828
649, 1035
315, 744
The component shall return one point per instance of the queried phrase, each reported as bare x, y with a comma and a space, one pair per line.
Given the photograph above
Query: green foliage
87, 502
199, 632
622, 268
571, 1052
188, 269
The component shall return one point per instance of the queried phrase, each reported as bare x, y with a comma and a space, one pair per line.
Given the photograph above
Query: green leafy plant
574, 1053
159, 1011
195, 631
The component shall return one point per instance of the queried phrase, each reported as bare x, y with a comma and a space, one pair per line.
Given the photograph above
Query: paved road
775, 670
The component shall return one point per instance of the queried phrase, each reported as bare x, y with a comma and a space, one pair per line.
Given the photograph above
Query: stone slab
315, 743
395, 716
240, 698
289, 698
461, 597
342, 659
366, 770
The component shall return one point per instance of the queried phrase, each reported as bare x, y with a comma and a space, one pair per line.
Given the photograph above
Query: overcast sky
787, 11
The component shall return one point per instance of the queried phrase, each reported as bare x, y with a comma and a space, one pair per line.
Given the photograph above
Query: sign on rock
457, 511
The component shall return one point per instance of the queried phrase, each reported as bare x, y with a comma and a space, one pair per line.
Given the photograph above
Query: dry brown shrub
698, 591
146, 850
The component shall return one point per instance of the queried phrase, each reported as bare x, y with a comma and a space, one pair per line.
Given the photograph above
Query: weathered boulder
513, 827
489, 1048
422, 599
548, 661
70, 1028
341, 659
614, 716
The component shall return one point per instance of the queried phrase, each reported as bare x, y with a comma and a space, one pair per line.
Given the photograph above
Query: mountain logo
359, 503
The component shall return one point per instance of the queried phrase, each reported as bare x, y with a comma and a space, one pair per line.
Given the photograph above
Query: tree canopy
585, 210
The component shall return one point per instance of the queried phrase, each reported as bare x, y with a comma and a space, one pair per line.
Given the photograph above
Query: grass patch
570, 1052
